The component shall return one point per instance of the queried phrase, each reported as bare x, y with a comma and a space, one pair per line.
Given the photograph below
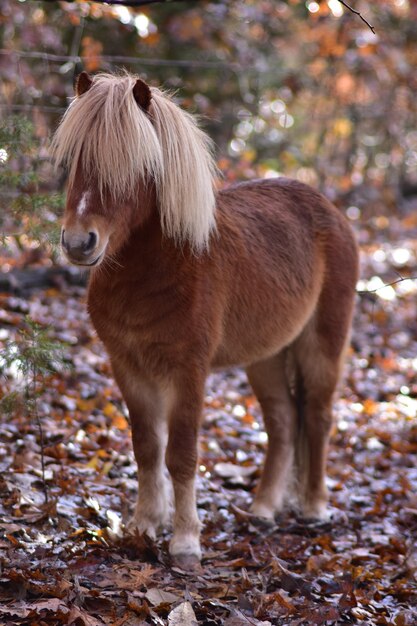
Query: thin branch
359, 14
32, 404
363, 292
41, 435
31, 107
46, 56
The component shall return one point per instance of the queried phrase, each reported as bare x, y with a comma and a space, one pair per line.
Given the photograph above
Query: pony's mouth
96, 261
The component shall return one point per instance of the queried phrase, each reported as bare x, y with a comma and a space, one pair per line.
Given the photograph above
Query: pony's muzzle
80, 248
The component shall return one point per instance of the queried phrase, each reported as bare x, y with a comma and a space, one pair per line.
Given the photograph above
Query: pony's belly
259, 342
229, 358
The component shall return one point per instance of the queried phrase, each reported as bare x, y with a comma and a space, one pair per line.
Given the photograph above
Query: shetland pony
185, 279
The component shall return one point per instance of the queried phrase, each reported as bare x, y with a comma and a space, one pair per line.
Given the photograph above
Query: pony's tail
301, 448
297, 479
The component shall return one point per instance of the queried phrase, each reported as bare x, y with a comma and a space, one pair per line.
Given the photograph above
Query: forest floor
67, 562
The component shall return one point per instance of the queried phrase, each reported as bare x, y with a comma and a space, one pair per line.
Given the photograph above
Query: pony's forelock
118, 144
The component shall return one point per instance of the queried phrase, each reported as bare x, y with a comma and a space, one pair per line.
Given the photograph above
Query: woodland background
304, 89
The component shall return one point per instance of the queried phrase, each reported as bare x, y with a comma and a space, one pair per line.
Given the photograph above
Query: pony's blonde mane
119, 144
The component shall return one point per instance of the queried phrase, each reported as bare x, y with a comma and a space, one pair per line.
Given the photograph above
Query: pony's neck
149, 254
144, 237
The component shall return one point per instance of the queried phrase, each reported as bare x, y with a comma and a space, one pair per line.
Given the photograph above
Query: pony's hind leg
318, 353
319, 362
148, 404
269, 381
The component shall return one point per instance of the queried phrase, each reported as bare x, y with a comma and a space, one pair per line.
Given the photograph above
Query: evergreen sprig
29, 213
31, 358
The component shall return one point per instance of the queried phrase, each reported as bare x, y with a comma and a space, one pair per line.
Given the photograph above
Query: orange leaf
120, 422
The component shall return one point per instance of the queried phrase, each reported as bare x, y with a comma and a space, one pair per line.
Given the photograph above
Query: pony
185, 278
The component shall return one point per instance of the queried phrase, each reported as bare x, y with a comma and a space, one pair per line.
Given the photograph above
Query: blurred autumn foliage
303, 89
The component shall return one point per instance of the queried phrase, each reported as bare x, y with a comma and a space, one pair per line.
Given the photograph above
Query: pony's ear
142, 94
83, 83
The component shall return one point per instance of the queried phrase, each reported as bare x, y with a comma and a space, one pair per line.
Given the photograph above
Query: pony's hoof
263, 514
187, 562
262, 522
316, 511
185, 550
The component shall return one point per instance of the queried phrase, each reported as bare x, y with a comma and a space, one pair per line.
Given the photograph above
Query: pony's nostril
90, 244
63, 242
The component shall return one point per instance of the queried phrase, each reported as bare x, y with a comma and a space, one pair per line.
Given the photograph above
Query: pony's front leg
181, 460
148, 404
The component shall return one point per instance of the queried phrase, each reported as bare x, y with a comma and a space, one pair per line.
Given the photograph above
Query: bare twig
41, 436
362, 292
345, 4
151, 62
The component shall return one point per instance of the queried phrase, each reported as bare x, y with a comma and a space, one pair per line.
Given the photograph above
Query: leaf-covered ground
66, 562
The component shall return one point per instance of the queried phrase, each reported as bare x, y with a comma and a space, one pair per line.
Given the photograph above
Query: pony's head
129, 150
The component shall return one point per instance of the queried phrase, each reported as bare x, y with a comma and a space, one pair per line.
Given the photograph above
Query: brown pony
185, 279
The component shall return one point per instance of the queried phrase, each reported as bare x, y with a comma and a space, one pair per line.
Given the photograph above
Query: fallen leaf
182, 615
158, 596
